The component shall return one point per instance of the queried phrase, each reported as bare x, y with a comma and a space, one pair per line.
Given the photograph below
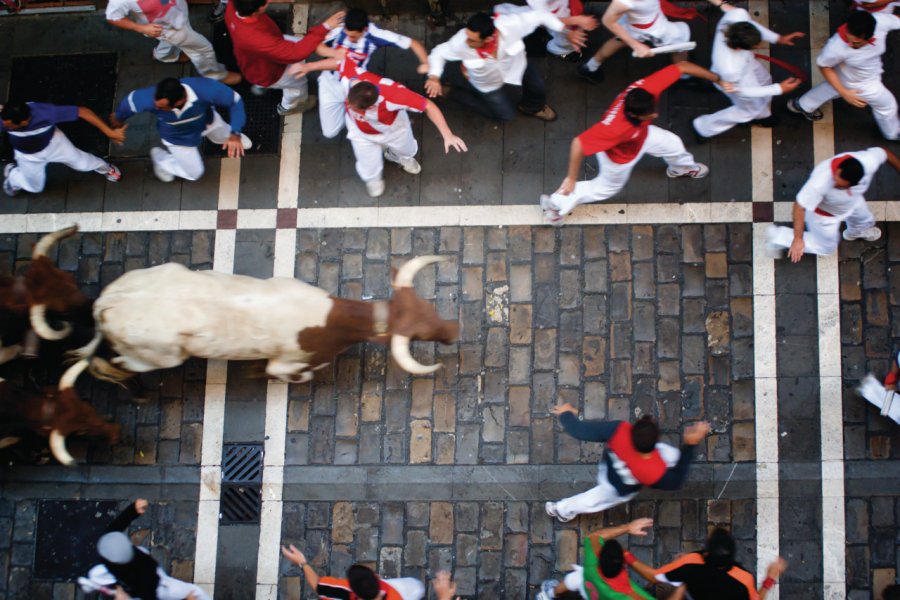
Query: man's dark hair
245, 8
742, 36
356, 20
639, 103
482, 24
15, 112
612, 559
851, 170
645, 434
891, 592
170, 89
363, 95
720, 549
861, 24
363, 582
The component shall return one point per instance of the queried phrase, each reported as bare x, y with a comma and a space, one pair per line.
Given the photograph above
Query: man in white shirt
168, 22
737, 35
852, 67
833, 193
494, 77
639, 25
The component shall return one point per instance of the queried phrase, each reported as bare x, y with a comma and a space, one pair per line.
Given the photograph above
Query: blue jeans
500, 104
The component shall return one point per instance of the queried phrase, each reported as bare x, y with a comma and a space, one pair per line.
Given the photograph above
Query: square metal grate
242, 467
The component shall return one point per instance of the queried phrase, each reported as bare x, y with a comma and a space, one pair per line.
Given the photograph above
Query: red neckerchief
842, 31
836, 163
677, 12
489, 50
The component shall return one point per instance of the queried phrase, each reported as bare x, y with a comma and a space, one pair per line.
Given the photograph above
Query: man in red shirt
263, 53
621, 138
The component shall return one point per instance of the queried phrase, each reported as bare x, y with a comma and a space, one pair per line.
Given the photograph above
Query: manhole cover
67, 531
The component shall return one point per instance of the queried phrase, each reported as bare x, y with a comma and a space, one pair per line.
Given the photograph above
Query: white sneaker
550, 508
8, 189
411, 166
771, 249
872, 234
301, 107
698, 171
157, 154
113, 174
375, 187
245, 142
547, 590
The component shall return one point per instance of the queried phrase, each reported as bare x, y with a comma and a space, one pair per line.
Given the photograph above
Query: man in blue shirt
185, 113
36, 141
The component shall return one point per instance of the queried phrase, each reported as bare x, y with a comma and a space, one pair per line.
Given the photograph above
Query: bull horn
45, 243
401, 353
42, 328
72, 373
58, 448
408, 271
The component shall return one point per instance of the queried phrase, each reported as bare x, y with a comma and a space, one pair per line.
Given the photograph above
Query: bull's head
412, 318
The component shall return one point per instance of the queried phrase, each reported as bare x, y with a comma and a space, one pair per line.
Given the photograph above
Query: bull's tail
100, 368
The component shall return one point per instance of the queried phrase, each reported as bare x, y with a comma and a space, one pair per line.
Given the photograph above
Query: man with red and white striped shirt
374, 111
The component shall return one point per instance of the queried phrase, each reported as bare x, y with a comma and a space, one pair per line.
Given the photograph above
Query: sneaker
301, 107
771, 249
551, 215
793, 105
698, 171
375, 188
257, 90
245, 142
113, 174
548, 587
545, 114
217, 13
411, 166
156, 154
550, 508
597, 76
872, 234
8, 189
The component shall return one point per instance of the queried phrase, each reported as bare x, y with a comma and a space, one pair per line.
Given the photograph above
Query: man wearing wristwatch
737, 35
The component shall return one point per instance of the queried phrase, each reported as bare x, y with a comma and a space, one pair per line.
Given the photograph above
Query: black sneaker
597, 76
793, 105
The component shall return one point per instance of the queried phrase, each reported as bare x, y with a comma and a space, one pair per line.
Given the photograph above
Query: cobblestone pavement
682, 320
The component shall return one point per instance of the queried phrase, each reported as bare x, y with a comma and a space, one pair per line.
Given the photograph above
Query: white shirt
861, 65
560, 8
735, 65
487, 74
819, 191
641, 12
171, 13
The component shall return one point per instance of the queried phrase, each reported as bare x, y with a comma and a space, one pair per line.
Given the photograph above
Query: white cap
116, 548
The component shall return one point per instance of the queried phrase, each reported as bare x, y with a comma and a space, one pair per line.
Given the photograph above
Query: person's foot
551, 215
217, 13
257, 90
246, 142
8, 189
301, 107
375, 188
793, 105
410, 165
597, 76
550, 508
113, 174
771, 249
872, 234
698, 171
770, 121
545, 114
232, 78
548, 590
157, 154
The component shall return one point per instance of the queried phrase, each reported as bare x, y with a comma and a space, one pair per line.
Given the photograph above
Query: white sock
593, 64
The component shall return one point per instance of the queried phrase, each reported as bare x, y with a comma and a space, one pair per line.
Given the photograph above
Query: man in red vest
633, 458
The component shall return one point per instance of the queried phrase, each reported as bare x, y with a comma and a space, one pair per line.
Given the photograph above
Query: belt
819, 211
645, 25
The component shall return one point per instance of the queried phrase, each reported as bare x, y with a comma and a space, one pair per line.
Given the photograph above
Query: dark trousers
500, 104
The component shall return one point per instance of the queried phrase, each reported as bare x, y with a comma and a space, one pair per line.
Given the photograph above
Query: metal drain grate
242, 466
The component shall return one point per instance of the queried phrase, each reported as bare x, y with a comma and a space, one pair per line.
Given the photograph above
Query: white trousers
398, 141
663, 32
613, 176
823, 233
574, 581
409, 588
170, 588
173, 42
331, 103
742, 110
30, 173
601, 497
559, 44
185, 161
879, 98
294, 90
